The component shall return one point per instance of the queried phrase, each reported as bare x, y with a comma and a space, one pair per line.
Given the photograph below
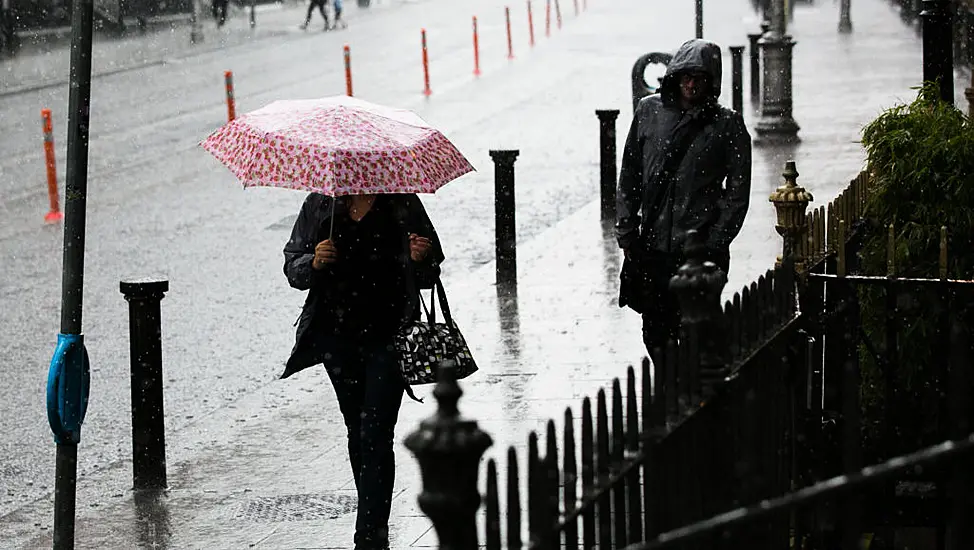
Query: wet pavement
45, 61
259, 462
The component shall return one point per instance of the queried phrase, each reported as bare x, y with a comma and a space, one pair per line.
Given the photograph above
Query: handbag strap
438, 292
441, 292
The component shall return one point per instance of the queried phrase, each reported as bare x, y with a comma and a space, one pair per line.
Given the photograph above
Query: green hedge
921, 156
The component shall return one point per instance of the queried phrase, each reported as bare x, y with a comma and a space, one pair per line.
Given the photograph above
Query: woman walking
362, 260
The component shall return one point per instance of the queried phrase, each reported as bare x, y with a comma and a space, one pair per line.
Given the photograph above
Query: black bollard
845, 17
699, 12
607, 161
737, 82
938, 51
505, 234
148, 419
755, 53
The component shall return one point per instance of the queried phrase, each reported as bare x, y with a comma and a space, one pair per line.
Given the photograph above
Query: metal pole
755, 57
505, 237
938, 52
196, 27
845, 18
148, 417
699, 13
72, 282
737, 86
607, 161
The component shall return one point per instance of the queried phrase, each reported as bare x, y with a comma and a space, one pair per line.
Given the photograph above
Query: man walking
686, 166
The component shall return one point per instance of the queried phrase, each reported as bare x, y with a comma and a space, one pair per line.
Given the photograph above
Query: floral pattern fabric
337, 146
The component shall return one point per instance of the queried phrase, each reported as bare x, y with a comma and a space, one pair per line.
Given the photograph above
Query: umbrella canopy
337, 146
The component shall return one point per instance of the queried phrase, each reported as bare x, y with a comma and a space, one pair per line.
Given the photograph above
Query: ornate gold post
791, 201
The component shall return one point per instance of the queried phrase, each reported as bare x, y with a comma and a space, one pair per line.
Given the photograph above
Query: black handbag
424, 345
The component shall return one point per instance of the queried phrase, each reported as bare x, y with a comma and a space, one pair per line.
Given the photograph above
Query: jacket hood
693, 55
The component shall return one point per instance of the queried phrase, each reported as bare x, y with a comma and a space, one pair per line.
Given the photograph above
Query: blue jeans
369, 388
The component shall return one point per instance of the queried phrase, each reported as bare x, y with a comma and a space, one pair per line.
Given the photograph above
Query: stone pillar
777, 123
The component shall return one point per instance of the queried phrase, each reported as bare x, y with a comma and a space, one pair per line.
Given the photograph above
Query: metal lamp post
777, 123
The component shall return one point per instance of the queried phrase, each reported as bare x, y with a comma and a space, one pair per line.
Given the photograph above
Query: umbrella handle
331, 228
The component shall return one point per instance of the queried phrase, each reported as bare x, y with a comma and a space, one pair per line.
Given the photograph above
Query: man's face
694, 87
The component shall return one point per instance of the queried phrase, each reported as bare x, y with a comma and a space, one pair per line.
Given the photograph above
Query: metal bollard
845, 18
938, 51
231, 100
505, 235
54, 214
754, 50
607, 161
737, 86
148, 418
196, 27
253, 14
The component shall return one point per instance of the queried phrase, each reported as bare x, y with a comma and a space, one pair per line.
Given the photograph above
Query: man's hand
325, 253
419, 247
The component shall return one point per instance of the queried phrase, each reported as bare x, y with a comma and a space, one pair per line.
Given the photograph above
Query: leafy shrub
921, 156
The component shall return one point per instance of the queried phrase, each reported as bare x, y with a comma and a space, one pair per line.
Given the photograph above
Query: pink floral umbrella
337, 146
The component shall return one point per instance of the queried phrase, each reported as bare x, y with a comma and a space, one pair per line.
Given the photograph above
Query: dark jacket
709, 189
312, 227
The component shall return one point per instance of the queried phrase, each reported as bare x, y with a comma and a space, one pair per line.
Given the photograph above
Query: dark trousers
320, 4
369, 388
661, 320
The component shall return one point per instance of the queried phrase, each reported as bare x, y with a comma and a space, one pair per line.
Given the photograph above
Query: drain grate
304, 507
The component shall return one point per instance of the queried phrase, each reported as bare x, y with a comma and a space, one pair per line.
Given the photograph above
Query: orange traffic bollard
426, 68
348, 71
55, 213
476, 49
510, 44
558, 12
231, 104
530, 24
547, 18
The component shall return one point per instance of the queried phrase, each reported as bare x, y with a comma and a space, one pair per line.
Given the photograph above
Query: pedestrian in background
686, 166
220, 11
320, 4
363, 285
